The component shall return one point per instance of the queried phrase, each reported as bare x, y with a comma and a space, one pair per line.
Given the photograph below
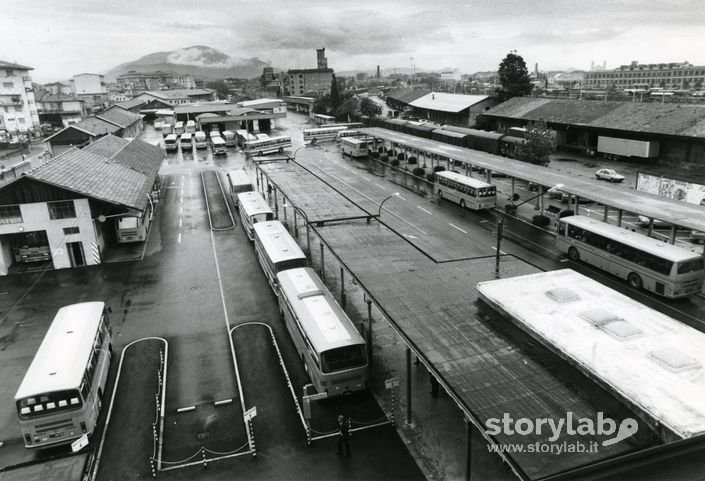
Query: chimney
321, 58
378, 71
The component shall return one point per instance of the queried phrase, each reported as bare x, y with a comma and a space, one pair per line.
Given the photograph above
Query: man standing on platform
343, 436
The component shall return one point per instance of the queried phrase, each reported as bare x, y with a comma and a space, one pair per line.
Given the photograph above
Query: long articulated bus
465, 191
276, 250
322, 134
61, 394
354, 147
253, 208
243, 136
645, 262
267, 145
171, 143
333, 352
238, 182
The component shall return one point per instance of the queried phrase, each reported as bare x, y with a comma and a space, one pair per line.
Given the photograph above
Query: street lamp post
500, 222
379, 212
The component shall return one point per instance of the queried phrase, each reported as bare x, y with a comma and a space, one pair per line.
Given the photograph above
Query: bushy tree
514, 77
538, 146
322, 105
335, 100
220, 87
369, 107
347, 110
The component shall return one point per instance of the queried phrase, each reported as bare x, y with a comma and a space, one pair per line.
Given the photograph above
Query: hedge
419, 172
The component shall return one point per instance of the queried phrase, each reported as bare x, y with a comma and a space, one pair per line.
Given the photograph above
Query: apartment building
302, 81
90, 87
668, 76
18, 109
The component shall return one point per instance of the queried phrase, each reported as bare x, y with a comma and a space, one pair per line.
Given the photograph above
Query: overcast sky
63, 38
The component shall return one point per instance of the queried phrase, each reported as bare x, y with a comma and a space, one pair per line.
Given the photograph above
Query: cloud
571, 37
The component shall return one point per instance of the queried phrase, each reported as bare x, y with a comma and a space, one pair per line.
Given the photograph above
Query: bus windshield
342, 358
691, 266
49, 403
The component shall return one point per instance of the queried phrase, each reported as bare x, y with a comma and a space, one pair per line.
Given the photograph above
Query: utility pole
411, 72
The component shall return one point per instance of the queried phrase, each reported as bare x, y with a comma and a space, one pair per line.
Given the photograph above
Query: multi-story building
185, 81
18, 109
58, 88
669, 76
91, 88
142, 81
318, 80
60, 110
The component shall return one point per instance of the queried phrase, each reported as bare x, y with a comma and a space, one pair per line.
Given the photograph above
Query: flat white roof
253, 203
447, 102
464, 179
63, 354
277, 242
651, 360
635, 239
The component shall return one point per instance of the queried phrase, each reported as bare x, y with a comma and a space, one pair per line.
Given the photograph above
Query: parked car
697, 236
609, 174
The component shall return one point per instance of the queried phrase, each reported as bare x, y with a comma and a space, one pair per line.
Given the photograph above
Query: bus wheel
462, 203
440, 194
574, 254
634, 280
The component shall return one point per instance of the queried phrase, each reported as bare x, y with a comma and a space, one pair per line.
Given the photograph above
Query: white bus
262, 136
230, 138
179, 128
171, 143
253, 208
185, 141
332, 350
191, 127
268, 145
238, 182
645, 262
243, 136
276, 250
354, 147
218, 146
465, 191
346, 133
322, 134
61, 394
322, 119
133, 228
648, 360
201, 140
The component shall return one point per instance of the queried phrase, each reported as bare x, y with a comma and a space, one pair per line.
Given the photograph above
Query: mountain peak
201, 56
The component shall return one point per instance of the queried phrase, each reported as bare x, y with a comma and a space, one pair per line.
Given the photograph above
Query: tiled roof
90, 125
202, 108
119, 116
406, 95
128, 104
178, 93
655, 118
111, 169
10, 65
445, 102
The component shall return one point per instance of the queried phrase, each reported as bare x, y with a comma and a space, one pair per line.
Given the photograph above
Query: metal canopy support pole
673, 234
606, 215
408, 385
466, 169
342, 287
488, 176
539, 200
513, 185
468, 458
323, 263
651, 227
258, 174
284, 208
619, 217
308, 242
368, 333
296, 226
276, 204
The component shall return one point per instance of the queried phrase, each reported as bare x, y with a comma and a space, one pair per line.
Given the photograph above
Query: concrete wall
35, 217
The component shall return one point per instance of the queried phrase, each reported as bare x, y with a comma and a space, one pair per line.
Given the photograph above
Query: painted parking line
402, 198
179, 237
181, 222
456, 227
381, 187
500, 251
426, 211
409, 236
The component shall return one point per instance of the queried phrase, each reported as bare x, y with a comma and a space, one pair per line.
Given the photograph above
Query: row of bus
490, 142
331, 349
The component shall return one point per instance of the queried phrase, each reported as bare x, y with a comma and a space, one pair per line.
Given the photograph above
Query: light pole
310, 144
379, 213
513, 208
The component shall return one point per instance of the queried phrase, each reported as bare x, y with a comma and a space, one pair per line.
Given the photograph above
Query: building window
8, 85
20, 120
10, 214
9, 73
71, 230
61, 210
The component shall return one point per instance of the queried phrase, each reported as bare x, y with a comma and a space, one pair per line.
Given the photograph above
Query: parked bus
185, 141
61, 394
253, 208
346, 133
230, 138
191, 127
171, 143
167, 129
201, 140
218, 145
465, 191
644, 262
354, 147
262, 136
215, 131
238, 182
321, 119
332, 350
132, 228
179, 128
322, 134
276, 250
268, 145
31, 246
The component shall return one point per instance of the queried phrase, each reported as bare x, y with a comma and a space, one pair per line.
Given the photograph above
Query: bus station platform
667, 210
486, 365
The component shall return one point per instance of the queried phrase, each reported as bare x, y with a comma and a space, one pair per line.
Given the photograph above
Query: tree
347, 110
369, 107
538, 146
514, 77
220, 87
335, 100
322, 105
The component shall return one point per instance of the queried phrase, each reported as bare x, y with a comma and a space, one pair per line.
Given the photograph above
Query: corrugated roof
132, 103
655, 118
447, 102
10, 65
178, 93
120, 116
406, 95
202, 108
